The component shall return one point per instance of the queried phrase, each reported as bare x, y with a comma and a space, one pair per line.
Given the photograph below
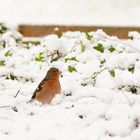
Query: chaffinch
48, 87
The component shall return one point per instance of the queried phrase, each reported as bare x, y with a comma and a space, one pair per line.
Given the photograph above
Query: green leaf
112, 49
71, 59
13, 77
121, 52
131, 69
3, 28
89, 37
41, 53
34, 43
54, 59
18, 40
112, 73
40, 57
2, 62
71, 69
8, 53
131, 37
2, 43
83, 47
99, 48
103, 61
27, 47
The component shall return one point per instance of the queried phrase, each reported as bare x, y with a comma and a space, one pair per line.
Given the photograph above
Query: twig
17, 93
56, 55
5, 106
130, 103
95, 74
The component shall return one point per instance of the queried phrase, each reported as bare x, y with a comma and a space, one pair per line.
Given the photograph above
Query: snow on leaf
8, 53
83, 47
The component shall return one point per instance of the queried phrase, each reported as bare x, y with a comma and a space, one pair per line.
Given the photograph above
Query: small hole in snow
81, 116
70, 107
83, 84
109, 134
31, 114
137, 123
69, 94
15, 109
6, 133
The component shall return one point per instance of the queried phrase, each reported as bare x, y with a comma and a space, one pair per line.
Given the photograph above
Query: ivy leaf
89, 37
103, 61
133, 89
83, 47
3, 28
112, 49
131, 37
27, 47
13, 77
121, 52
71, 59
8, 53
2, 43
71, 69
2, 62
54, 59
18, 40
112, 73
41, 53
34, 43
131, 69
40, 57
99, 48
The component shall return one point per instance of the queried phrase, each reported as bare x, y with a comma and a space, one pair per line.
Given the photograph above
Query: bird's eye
55, 71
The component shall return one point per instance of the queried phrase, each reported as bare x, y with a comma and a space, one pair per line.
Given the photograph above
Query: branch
95, 74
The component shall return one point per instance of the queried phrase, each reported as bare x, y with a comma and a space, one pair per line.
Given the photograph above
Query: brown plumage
48, 87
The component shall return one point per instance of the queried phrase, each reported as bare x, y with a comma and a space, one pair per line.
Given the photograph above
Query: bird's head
53, 73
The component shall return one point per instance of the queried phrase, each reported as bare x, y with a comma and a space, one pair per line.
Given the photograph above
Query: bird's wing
39, 87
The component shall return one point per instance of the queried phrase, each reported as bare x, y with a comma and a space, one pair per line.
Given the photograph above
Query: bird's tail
31, 101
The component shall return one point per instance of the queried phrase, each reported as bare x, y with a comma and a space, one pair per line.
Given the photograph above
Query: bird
48, 87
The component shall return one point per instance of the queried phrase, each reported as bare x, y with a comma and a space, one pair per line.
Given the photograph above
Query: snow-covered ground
100, 98
83, 12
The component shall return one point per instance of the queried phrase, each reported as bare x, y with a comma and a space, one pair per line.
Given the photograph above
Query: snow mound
100, 96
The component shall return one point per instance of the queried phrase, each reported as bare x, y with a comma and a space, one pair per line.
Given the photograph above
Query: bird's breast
52, 87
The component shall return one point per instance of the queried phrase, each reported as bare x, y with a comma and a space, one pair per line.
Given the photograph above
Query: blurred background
71, 12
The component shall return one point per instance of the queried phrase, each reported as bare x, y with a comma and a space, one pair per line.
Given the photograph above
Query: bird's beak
60, 73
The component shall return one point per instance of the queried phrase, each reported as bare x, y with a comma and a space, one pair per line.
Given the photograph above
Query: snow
100, 98
75, 12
